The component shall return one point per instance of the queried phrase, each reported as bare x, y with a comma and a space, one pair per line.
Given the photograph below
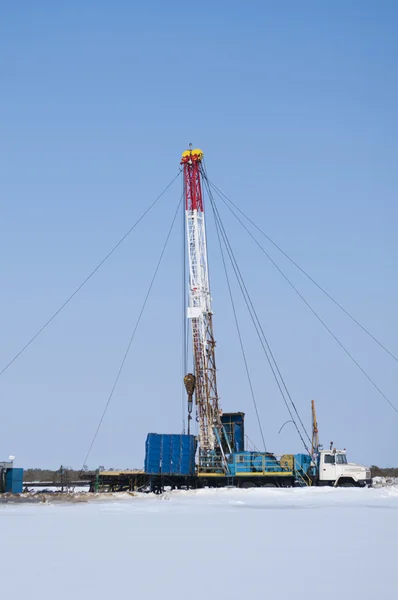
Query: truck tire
346, 484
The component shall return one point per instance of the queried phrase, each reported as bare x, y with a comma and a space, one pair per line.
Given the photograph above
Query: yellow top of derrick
193, 154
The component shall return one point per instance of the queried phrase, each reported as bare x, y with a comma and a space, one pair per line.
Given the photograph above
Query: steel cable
133, 334
259, 330
238, 330
26, 346
353, 359
224, 197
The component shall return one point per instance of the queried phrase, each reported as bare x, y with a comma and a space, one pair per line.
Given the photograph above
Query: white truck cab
334, 470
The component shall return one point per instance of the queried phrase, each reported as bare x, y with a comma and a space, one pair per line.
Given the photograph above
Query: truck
334, 469
264, 469
326, 468
318, 467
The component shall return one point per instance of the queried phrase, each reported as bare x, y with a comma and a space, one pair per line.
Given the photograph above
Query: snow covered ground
225, 544
41, 489
384, 481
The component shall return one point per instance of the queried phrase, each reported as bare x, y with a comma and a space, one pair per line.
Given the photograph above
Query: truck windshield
341, 459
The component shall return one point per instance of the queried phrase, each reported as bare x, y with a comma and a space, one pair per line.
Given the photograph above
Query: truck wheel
347, 484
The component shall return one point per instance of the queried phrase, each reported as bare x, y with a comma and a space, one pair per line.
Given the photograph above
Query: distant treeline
388, 472
61, 476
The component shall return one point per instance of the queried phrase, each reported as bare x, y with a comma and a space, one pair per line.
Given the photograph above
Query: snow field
225, 544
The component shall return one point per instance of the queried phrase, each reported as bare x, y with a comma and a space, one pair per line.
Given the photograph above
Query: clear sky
295, 106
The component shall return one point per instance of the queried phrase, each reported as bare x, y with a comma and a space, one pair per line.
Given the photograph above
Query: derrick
199, 309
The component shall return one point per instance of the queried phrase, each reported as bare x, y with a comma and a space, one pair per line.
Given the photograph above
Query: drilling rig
203, 382
170, 459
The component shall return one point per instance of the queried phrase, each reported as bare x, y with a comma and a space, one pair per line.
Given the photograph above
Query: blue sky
294, 105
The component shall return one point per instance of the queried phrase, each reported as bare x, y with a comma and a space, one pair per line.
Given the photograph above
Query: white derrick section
199, 311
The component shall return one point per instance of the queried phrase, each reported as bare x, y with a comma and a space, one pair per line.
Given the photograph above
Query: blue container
169, 454
234, 426
14, 481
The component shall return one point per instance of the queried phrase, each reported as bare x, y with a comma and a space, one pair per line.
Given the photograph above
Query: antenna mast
315, 433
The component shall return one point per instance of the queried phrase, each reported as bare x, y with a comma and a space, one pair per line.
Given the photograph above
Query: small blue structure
14, 481
234, 427
302, 463
170, 454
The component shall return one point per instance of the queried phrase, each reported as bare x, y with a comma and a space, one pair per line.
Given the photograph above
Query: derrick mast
199, 309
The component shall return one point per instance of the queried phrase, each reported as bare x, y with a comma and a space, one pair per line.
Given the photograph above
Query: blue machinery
172, 458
